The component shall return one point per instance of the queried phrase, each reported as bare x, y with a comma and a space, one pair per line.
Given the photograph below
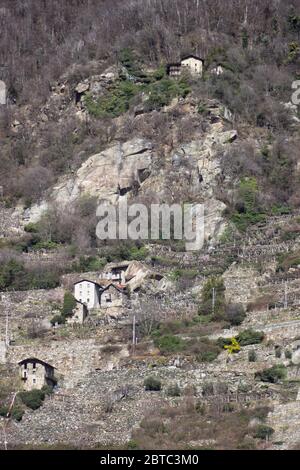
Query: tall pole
213, 300
6, 330
285, 306
133, 334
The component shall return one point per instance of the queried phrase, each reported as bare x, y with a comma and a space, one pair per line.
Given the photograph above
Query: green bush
252, 356
57, 319
248, 337
273, 374
169, 343
174, 391
16, 413
152, 384
263, 431
68, 305
278, 351
132, 445
248, 209
32, 399
235, 314
114, 103
216, 285
208, 389
208, 356
162, 92
288, 354
89, 263
3, 411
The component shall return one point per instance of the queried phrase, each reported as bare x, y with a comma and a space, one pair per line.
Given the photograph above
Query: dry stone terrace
79, 417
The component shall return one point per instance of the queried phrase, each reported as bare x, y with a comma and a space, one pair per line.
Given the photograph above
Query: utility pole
285, 304
213, 300
6, 330
133, 334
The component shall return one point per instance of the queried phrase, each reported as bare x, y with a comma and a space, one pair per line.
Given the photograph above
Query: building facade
192, 63
79, 315
35, 374
88, 293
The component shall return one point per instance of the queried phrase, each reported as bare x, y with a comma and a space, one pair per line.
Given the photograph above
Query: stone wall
72, 359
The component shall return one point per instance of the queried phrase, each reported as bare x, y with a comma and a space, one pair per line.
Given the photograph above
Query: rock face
192, 168
110, 173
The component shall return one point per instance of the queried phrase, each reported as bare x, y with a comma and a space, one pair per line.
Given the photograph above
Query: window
25, 374
33, 381
33, 365
108, 298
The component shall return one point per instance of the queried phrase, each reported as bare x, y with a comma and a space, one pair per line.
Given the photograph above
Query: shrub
252, 356
32, 399
278, 351
248, 337
288, 354
263, 432
233, 347
248, 209
113, 103
208, 356
214, 287
132, 445
68, 305
57, 319
273, 374
3, 411
169, 344
235, 314
16, 413
152, 384
162, 92
174, 391
208, 389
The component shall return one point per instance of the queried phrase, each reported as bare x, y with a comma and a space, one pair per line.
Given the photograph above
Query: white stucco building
88, 293
192, 63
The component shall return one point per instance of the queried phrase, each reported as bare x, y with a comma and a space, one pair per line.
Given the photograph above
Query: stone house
88, 293
2, 93
112, 296
36, 373
192, 63
115, 272
79, 314
114, 301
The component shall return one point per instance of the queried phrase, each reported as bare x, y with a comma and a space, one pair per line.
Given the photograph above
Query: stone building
36, 373
79, 314
115, 272
3, 97
88, 293
114, 301
191, 62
